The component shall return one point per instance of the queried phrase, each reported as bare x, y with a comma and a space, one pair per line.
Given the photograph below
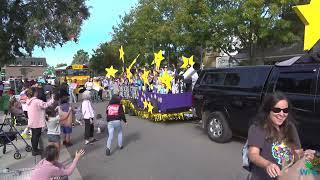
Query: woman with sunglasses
273, 139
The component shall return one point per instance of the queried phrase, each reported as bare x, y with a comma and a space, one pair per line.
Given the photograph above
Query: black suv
226, 99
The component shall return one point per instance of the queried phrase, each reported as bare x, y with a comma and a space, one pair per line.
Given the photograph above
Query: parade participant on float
49, 167
115, 115
36, 115
88, 116
273, 138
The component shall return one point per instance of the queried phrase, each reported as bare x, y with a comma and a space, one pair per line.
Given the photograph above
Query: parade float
158, 106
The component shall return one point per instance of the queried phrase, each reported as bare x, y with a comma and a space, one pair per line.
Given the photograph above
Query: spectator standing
36, 115
66, 116
53, 124
115, 115
88, 116
273, 139
72, 88
1, 88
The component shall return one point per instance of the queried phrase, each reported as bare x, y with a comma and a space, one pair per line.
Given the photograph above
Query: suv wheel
217, 128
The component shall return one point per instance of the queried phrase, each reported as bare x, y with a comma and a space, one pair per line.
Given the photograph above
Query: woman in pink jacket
49, 167
36, 115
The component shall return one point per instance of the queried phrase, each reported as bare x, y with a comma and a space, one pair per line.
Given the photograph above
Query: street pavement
159, 151
152, 151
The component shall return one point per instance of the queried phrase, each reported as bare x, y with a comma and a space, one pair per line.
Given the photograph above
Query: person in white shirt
53, 124
89, 84
72, 87
88, 116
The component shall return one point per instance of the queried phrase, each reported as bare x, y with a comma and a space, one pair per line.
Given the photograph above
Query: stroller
7, 137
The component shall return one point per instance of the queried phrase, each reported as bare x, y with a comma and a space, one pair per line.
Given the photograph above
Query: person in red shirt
115, 115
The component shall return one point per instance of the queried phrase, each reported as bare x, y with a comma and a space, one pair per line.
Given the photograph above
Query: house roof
29, 61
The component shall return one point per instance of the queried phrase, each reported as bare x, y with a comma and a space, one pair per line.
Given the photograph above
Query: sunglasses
278, 110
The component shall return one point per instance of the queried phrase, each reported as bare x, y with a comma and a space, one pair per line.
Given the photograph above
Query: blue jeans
114, 125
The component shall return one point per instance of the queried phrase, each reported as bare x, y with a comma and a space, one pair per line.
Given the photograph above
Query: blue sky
95, 30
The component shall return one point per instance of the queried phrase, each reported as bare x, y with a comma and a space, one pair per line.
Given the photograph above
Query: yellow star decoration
145, 76
309, 15
111, 72
145, 104
186, 62
128, 70
150, 107
166, 79
121, 54
157, 59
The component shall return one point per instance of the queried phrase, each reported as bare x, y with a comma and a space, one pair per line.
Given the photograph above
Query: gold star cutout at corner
186, 62
157, 59
150, 107
145, 76
111, 72
310, 15
145, 104
121, 54
166, 79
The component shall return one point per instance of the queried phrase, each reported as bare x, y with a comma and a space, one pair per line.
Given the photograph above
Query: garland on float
157, 117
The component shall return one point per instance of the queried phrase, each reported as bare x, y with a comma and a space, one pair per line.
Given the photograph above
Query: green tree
61, 65
81, 57
184, 27
104, 56
26, 24
252, 25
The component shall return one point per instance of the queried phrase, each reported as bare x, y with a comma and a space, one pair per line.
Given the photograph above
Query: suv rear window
214, 79
299, 83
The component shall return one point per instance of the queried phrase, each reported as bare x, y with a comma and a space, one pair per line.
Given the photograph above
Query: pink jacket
45, 170
36, 112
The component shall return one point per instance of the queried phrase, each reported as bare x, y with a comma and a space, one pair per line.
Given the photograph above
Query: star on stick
157, 59
121, 52
145, 76
145, 104
186, 62
166, 79
111, 72
128, 70
150, 107
309, 15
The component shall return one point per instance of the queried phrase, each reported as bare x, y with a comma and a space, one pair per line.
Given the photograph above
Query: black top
114, 110
275, 152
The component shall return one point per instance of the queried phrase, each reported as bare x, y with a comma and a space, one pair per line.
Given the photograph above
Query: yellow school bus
79, 72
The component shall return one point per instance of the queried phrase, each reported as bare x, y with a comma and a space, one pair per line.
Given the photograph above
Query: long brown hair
287, 128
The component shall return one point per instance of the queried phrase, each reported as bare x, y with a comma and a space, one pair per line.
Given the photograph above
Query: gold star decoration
111, 72
150, 107
145, 104
145, 76
157, 59
166, 79
128, 70
186, 62
121, 54
309, 15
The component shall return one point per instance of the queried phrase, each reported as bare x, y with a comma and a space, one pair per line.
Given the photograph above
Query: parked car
227, 99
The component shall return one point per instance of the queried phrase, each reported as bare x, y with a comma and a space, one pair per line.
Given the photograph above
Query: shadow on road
131, 137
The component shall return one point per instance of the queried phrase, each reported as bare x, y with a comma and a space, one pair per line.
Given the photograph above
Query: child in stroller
16, 112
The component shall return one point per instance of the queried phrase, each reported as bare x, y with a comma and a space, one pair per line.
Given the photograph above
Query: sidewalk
27, 161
